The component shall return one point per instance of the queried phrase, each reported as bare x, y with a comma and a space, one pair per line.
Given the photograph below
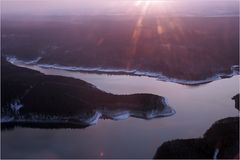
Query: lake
197, 107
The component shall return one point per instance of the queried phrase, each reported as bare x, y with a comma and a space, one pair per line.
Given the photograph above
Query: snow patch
94, 119
5, 119
15, 105
34, 61
14, 60
85, 69
166, 111
117, 115
216, 153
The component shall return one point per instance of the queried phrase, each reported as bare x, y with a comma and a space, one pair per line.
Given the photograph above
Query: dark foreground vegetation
220, 141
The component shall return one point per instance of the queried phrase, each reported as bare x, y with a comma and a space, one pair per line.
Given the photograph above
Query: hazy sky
57, 6
50, 7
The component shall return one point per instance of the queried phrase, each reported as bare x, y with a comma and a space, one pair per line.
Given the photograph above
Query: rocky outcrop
236, 99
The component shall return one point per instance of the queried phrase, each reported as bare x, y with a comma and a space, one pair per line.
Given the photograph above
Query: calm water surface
197, 108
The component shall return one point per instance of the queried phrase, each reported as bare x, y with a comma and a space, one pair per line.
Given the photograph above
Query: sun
144, 2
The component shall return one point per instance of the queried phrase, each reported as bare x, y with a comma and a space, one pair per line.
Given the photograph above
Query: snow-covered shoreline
87, 119
92, 120
159, 76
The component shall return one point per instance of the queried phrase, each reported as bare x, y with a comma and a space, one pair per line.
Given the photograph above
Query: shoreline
98, 70
70, 101
81, 121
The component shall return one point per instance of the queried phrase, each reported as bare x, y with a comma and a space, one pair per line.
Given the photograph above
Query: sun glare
143, 2
143, 6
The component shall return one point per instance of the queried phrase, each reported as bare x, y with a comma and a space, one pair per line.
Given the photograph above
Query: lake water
196, 109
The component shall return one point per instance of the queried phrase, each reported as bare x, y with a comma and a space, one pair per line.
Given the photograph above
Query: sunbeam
138, 28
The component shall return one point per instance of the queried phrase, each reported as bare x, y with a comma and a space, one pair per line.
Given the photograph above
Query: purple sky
95, 7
